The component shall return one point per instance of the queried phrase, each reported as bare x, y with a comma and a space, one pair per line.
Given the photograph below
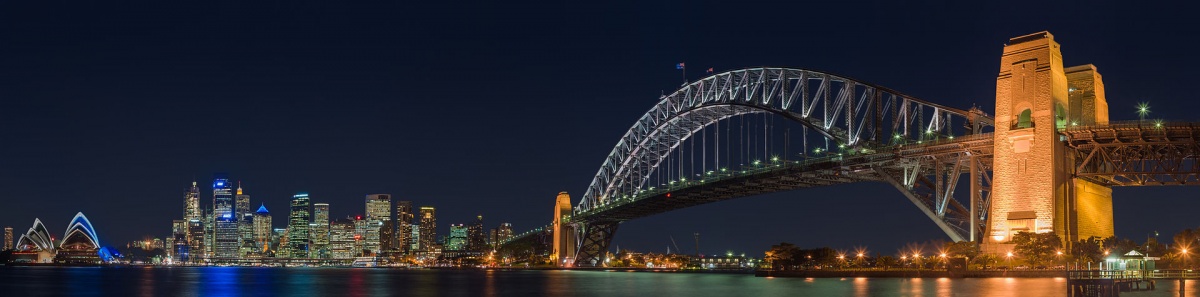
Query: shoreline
912, 273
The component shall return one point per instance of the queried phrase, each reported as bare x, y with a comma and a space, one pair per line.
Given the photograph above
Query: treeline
1029, 250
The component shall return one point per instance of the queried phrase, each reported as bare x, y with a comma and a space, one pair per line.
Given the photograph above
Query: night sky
493, 107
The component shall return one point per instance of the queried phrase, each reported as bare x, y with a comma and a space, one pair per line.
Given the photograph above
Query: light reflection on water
241, 282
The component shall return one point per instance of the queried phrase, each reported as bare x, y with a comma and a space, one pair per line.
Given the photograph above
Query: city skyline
361, 111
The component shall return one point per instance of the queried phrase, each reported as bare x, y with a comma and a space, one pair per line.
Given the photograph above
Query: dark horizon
493, 108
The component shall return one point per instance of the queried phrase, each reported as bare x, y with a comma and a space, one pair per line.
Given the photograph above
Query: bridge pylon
1034, 188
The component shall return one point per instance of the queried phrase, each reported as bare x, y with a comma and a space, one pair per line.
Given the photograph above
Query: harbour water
234, 281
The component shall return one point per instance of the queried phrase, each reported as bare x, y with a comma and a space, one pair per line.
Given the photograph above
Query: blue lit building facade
226, 224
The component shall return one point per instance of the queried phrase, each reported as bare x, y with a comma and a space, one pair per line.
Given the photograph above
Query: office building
226, 228
298, 231
320, 231
428, 228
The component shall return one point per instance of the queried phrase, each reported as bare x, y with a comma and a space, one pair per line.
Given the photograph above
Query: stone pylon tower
1033, 188
564, 233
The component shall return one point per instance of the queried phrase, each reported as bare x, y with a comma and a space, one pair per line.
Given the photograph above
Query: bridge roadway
877, 165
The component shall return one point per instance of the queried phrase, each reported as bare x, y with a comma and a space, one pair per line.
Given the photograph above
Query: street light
1143, 108
1183, 251
1059, 255
1009, 256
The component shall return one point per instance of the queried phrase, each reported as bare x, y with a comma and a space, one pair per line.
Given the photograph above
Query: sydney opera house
79, 244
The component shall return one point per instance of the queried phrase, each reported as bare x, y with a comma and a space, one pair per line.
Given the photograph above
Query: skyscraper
458, 238
195, 241
209, 238
179, 242
428, 228
504, 232
341, 239
379, 213
403, 223
320, 231
193, 216
245, 223
415, 244
8, 238
191, 203
262, 229
298, 226
476, 239
226, 229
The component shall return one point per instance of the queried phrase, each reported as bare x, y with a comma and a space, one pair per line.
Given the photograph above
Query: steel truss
929, 177
1139, 153
593, 242
846, 111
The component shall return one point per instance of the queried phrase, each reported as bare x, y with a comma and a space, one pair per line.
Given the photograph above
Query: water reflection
943, 287
182, 281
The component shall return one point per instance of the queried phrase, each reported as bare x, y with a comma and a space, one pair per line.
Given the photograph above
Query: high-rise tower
379, 213
226, 229
403, 223
428, 228
320, 231
191, 203
298, 226
8, 238
262, 229
476, 238
245, 223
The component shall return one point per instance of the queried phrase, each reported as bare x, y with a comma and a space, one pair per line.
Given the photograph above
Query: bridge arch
846, 111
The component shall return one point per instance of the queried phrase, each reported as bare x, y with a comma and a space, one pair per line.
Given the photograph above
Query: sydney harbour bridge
755, 131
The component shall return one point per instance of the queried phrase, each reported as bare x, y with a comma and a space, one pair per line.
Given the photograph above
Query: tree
967, 249
1119, 246
1036, 248
1088, 250
782, 256
886, 262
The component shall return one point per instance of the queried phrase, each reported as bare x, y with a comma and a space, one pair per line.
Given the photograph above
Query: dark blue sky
493, 107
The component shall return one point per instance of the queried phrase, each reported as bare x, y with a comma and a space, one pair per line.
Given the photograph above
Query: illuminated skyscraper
341, 239
193, 216
428, 228
209, 238
262, 229
191, 204
504, 232
379, 213
320, 231
415, 244
458, 238
8, 238
476, 239
298, 226
245, 223
226, 228
403, 223
179, 242
195, 241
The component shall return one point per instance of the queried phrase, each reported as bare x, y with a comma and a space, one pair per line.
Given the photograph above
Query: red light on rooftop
668, 195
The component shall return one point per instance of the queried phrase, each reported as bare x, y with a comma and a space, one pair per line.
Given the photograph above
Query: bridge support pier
593, 247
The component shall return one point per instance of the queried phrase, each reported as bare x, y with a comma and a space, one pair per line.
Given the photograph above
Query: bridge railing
1132, 124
